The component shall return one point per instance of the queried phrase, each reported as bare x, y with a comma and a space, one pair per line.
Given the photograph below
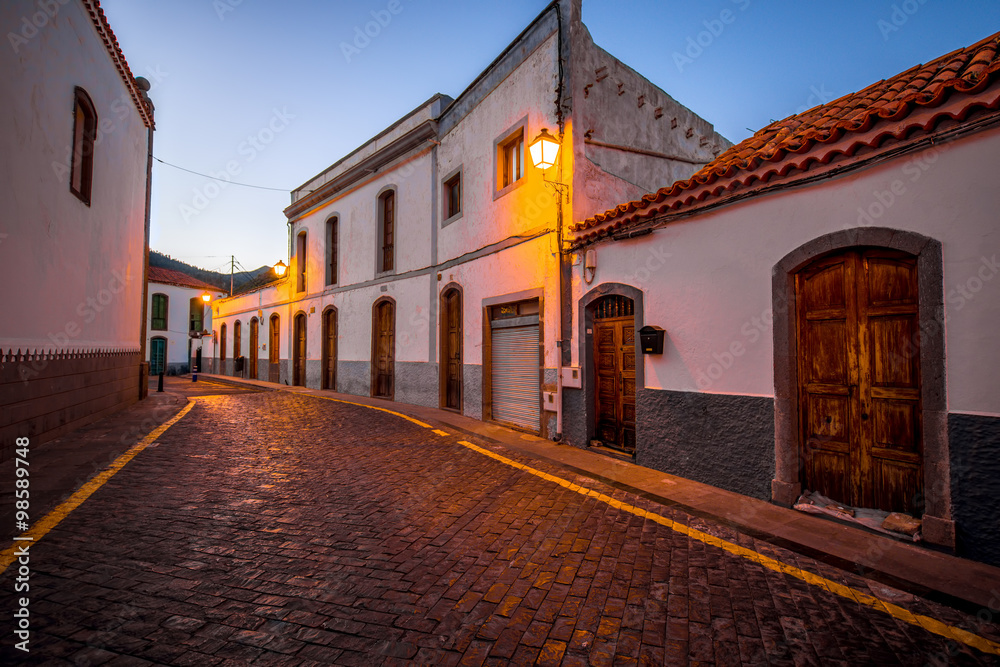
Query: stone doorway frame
938, 525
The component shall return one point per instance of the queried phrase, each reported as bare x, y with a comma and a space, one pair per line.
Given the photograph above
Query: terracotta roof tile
100, 22
171, 277
819, 135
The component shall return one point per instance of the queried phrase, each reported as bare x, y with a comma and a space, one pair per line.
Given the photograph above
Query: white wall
79, 268
707, 279
178, 319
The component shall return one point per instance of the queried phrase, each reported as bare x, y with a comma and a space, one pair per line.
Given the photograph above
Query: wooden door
274, 351
330, 349
299, 356
254, 346
859, 379
383, 350
614, 362
451, 350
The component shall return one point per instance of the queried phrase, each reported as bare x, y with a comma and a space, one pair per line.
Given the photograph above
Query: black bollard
159, 384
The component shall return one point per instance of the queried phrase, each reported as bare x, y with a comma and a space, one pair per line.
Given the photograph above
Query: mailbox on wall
651, 339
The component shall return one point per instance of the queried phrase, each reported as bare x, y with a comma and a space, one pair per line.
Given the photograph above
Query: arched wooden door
330, 349
383, 348
299, 351
859, 379
614, 371
451, 349
274, 351
254, 347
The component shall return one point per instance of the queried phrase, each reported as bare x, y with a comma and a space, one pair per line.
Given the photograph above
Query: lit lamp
280, 268
206, 297
544, 149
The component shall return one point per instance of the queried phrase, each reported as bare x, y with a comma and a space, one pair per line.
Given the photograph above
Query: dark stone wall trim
719, 439
975, 488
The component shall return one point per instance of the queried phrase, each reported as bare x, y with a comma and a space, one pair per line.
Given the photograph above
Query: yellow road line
53, 518
925, 622
438, 431
372, 407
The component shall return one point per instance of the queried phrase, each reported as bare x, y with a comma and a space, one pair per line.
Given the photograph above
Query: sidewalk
72, 459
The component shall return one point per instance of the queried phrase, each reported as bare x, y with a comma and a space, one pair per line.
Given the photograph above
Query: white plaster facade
503, 246
180, 348
79, 265
714, 263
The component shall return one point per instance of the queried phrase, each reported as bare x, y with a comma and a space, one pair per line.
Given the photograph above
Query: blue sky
265, 92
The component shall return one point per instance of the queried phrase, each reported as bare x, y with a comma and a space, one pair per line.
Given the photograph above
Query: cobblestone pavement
272, 528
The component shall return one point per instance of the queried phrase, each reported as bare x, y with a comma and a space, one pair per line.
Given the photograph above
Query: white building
829, 294
426, 266
76, 133
177, 314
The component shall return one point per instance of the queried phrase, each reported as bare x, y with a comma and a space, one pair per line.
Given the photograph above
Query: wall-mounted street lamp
206, 297
544, 149
280, 268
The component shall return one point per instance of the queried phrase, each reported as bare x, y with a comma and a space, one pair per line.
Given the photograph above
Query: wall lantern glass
544, 150
206, 297
280, 268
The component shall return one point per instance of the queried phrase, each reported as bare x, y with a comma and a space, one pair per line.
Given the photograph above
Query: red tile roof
915, 100
100, 22
171, 277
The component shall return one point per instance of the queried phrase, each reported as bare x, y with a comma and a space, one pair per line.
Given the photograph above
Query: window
300, 255
196, 309
332, 233
511, 159
453, 196
159, 315
387, 223
84, 135
222, 342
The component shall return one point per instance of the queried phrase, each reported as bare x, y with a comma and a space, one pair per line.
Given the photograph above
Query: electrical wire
221, 180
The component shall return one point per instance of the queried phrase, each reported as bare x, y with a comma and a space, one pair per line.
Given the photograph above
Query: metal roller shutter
516, 390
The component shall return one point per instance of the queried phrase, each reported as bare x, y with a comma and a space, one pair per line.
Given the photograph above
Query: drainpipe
565, 353
143, 85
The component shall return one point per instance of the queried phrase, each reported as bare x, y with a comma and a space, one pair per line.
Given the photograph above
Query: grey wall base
975, 485
723, 440
472, 391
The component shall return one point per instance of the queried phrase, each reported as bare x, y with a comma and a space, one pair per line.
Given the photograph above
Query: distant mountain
242, 280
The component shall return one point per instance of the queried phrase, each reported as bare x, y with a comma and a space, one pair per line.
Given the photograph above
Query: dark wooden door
274, 351
614, 361
859, 379
451, 350
254, 347
384, 350
330, 350
299, 360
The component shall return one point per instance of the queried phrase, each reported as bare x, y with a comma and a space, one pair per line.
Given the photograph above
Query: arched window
332, 249
158, 314
387, 229
84, 136
300, 259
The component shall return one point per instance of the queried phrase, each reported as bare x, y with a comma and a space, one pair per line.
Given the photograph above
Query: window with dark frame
222, 342
196, 309
387, 203
84, 136
332, 233
158, 321
511, 159
300, 257
453, 195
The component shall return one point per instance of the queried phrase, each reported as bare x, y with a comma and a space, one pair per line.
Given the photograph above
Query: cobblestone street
275, 528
